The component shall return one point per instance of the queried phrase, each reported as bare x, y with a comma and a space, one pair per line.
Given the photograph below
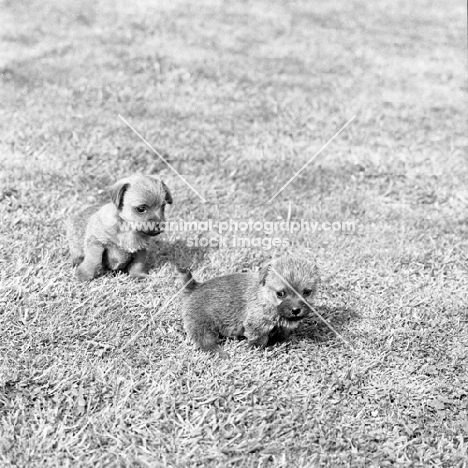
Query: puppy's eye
280, 294
141, 209
307, 292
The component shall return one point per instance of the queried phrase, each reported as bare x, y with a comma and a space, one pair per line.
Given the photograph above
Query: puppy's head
290, 283
141, 201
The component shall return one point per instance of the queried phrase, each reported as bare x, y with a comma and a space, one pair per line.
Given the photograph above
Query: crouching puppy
260, 307
117, 235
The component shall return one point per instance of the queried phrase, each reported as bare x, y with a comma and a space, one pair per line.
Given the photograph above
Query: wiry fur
187, 280
97, 240
246, 304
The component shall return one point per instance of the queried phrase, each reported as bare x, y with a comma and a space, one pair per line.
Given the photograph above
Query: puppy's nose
296, 310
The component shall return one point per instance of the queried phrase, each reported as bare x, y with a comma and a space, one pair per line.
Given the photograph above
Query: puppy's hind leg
76, 246
205, 339
76, 233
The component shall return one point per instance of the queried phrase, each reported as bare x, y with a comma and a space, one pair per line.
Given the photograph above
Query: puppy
117, 235
261, 307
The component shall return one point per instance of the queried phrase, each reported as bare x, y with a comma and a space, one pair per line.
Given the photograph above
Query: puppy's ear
263, 273
117, 192
168, 193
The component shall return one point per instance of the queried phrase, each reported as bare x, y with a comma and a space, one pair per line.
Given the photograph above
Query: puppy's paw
82, 275
77, 260
221, 354
258, 341
138, 275
293, 339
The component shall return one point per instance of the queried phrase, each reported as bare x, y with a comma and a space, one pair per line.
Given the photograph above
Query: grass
238, 96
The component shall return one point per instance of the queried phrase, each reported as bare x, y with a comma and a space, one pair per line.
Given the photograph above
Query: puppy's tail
186, 278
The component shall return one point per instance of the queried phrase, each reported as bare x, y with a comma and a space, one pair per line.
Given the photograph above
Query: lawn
237, 96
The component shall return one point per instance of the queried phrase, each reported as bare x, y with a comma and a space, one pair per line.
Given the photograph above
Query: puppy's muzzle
151, 233
293, 312
296, 314
156, 229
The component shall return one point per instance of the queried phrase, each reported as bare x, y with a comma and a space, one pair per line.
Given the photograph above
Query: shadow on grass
177, 253
315, 329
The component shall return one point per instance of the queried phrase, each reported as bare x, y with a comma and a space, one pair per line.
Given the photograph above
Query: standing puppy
116, 236
258, 306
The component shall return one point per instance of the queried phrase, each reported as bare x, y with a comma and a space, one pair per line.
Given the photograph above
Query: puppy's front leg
91, 267
137, 267
258, 342
256, 329
255, 336
281, 334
